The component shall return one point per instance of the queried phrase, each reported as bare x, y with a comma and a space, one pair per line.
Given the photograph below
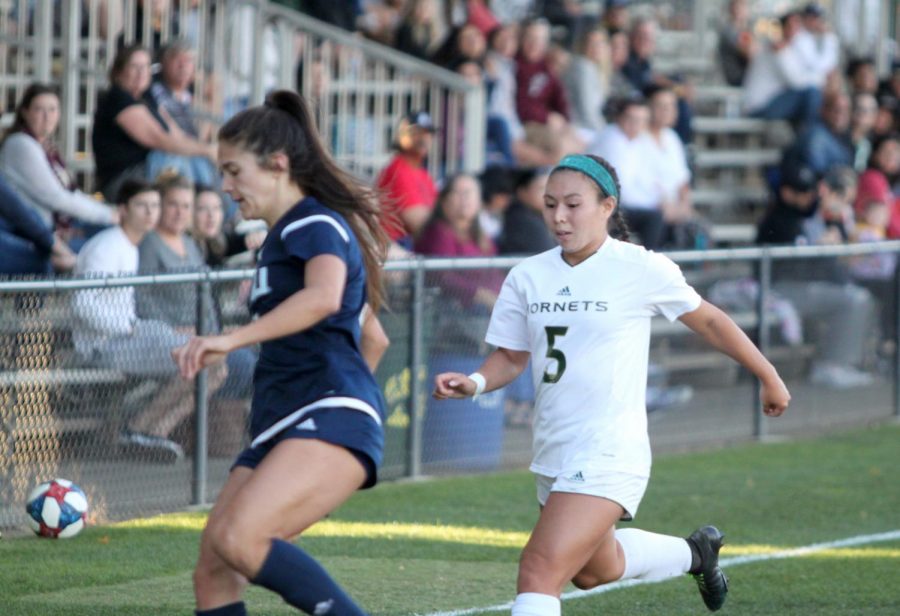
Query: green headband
592, 169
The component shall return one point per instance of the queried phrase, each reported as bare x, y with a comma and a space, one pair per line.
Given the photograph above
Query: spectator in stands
638, 70
820, 288
877, 271
498, 138
129, 128
465, 42
418, 34
616, 16
776, 86
524, 231
171, 93
217, 241
736, 43
541, 100
572, 17
862, 123
819, 47
496, 197
406, 182
587, 82
683, 230
886, 117
454, 230
479, 14
33, 167
875, 182
826, 142
500, 68
619, 86
27, 244
171, 90
626, 144
169, 249
110, 335
862, 76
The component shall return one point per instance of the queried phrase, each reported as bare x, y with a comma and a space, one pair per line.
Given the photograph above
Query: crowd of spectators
558, 80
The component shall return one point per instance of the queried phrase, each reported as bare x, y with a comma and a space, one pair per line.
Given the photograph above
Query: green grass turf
417, 547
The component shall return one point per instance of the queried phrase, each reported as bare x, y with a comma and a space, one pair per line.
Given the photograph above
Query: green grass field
452, 544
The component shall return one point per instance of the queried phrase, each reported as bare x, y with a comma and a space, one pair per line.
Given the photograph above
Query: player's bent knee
538, 573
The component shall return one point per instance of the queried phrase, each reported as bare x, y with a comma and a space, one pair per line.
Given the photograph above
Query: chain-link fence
78, 377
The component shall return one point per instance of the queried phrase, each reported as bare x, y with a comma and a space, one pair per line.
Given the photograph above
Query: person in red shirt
409, 189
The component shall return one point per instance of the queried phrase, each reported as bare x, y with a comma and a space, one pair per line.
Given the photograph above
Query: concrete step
756, 157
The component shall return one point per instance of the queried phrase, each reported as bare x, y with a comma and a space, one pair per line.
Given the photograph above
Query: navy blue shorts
354, 430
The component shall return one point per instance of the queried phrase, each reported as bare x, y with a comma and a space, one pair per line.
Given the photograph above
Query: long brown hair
284, 124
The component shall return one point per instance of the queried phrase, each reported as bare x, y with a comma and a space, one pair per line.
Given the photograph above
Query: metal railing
244, 48
61, 416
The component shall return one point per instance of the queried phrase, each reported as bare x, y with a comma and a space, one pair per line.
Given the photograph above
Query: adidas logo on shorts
309, 424
577, 477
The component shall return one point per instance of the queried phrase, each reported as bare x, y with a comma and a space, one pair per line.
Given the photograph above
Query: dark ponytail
284, 124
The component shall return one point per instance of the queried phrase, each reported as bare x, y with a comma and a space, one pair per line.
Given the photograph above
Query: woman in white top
31, 164
581, 313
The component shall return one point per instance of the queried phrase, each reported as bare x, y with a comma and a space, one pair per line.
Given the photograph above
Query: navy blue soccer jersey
320, 367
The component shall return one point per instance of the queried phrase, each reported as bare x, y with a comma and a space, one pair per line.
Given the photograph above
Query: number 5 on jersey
552, 333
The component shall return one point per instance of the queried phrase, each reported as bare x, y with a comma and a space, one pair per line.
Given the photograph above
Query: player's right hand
453, 385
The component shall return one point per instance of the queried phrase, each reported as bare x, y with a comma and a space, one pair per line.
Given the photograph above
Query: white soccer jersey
588, 330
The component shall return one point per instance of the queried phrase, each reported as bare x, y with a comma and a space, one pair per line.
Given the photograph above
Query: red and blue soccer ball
57, 509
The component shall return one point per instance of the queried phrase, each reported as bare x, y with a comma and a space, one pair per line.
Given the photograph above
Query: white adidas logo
564, 291
309, 424
323, 607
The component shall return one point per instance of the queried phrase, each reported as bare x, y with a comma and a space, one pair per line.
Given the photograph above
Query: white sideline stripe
725, 562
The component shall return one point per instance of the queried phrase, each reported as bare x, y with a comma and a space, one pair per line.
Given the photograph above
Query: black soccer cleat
710, 579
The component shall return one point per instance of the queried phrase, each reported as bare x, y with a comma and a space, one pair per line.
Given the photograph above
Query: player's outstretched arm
499, 369
324, 278
721, 332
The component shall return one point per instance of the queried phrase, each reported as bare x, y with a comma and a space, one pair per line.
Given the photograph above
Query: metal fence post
760, 426
417, 359
201, 407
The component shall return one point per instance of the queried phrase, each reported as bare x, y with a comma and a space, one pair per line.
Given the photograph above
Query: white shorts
625, 489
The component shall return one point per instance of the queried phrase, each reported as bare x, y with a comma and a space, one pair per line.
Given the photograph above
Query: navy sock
232, 609
303, 583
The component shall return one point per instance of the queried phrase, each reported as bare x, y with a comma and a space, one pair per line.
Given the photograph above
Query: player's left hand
453, 385
200, 352
775, 397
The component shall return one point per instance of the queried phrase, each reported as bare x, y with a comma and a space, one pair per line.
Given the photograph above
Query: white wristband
480, 383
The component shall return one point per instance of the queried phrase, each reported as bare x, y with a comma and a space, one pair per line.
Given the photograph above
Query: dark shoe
711, 581
151, 447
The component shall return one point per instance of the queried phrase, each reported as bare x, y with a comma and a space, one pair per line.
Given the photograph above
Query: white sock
650, 556
536, 604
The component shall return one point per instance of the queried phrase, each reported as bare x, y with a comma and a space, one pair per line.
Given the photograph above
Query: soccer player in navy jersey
316, 418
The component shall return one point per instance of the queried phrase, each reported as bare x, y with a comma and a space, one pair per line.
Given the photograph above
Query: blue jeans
198, 169
21, 256
799, 107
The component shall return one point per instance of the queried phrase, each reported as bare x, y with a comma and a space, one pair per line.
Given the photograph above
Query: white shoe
836, 376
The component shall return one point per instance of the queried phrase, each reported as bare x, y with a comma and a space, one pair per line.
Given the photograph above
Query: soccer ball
57, 508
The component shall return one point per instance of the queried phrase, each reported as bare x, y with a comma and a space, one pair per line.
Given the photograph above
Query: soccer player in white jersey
581, 312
